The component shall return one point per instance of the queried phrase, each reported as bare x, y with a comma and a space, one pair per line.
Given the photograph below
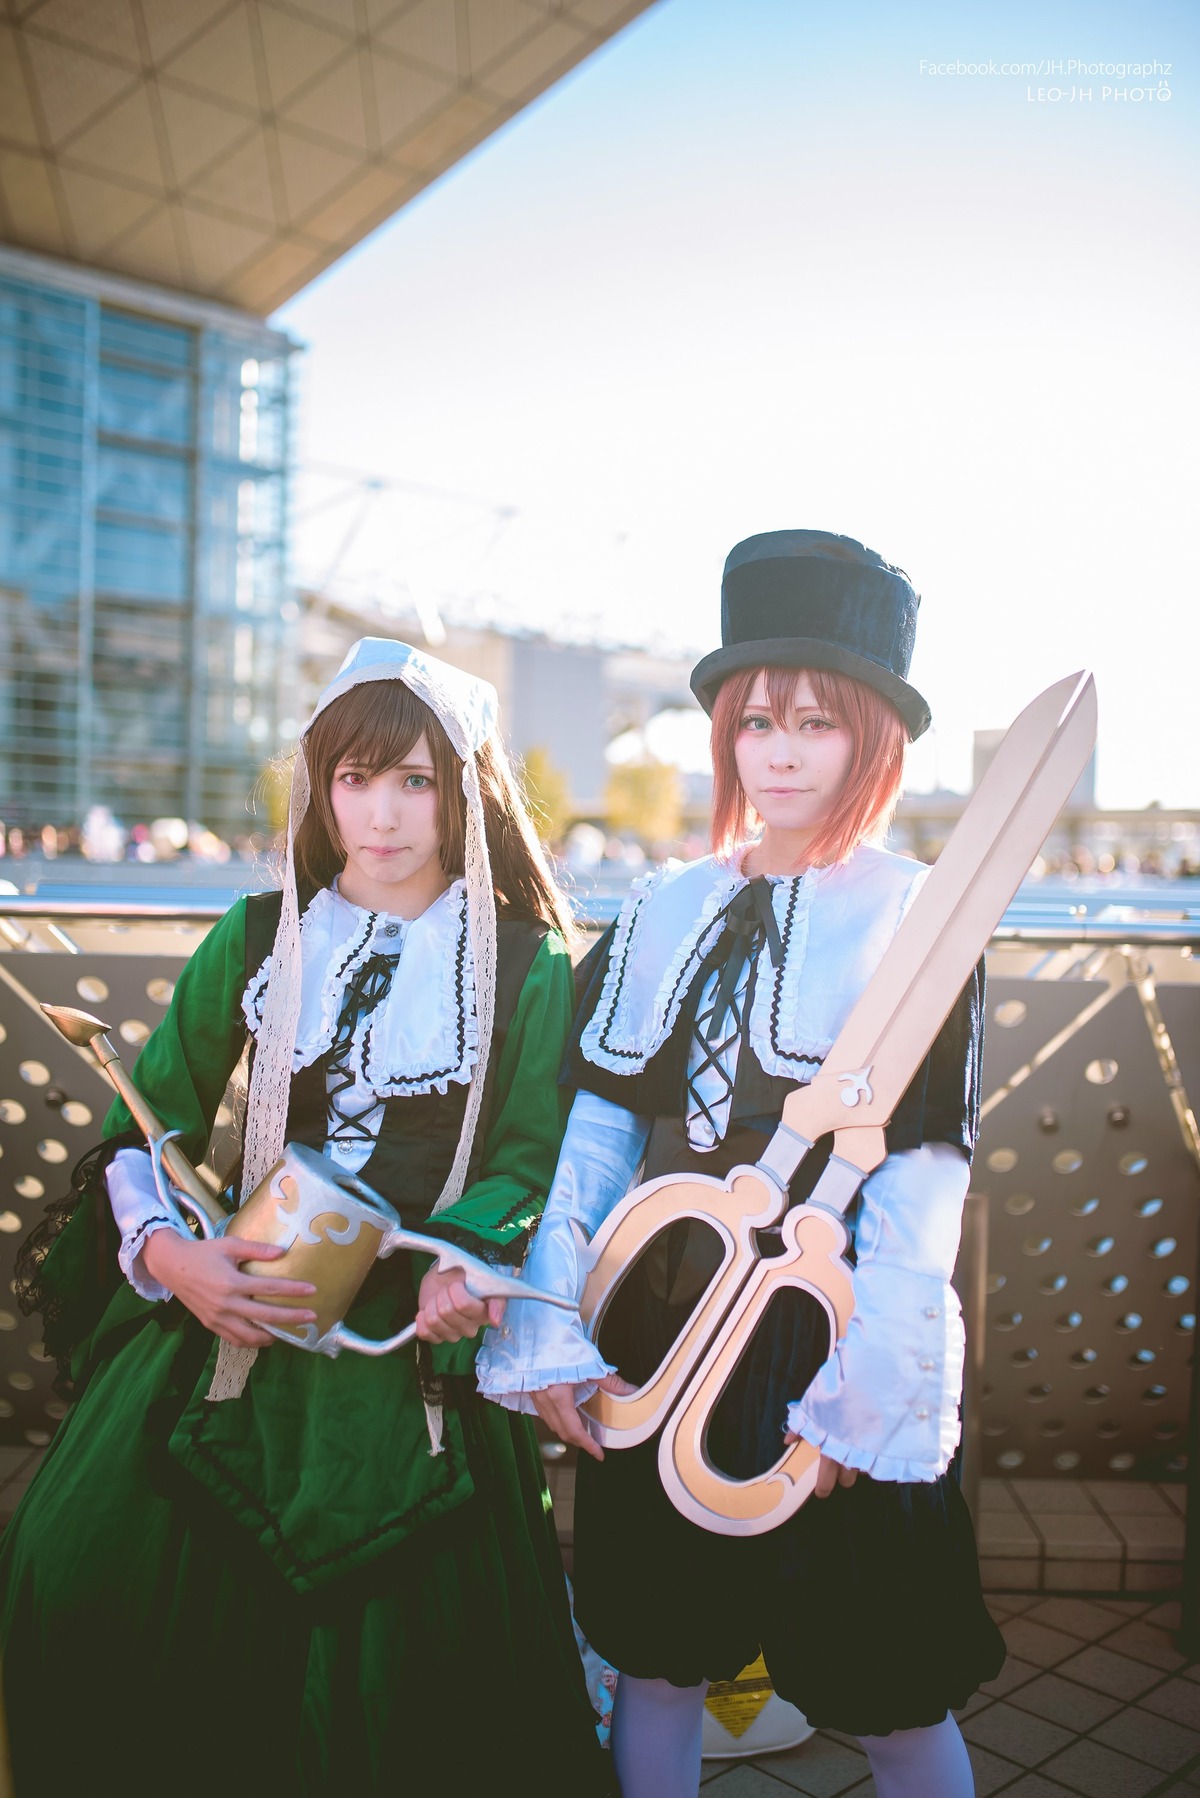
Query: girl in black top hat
723, 984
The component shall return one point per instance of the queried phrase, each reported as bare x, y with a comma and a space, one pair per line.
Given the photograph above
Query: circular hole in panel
1070, 1320
1101, 1245
1121, 1463
37, 1438
11, 1111
50, 1149
1132, 1320
995, 1429
1048, 1122
1163, 1432
1036, 1245
1009, 1013
134, 1031
1002, 1161
36, 1352
1134, 1164
1186, 1324
1083, 1207
553, 1451
1177, 1464
1116, 1286
1101, 1071
1142, 1357
91, 987
996, 1283
1068, 1459
1053, 1426
1106, 1431
1083, 1357
10, 1223
1038, 1394
1096, 1395
1067, 1161
55, 1408
21, 1382
1154, 1395
7, 1321
985, 1391
1012, 1457
6, 1409
1052, 1283
1018, 1203
34, 1073
76, 1113
1176, 1286
1023, 1356
160, 990
3, 1034
30, 1187
1166, 1245
1008, 1320
1148, 1207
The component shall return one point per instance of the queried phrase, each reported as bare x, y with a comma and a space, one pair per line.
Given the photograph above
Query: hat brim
808, 652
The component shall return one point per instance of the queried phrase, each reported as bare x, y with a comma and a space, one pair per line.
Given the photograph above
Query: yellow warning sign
736, 1703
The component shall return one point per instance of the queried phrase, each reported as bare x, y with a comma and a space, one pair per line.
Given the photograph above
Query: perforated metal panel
53, 1100
1092, 1222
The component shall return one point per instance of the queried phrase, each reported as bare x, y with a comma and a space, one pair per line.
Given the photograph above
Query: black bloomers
866, 1605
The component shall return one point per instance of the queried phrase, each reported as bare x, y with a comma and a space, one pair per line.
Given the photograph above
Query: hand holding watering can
331, 1226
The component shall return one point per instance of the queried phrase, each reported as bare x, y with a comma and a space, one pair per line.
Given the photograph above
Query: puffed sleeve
539, 1345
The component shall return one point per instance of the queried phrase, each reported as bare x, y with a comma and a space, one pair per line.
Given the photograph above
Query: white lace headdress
466, 708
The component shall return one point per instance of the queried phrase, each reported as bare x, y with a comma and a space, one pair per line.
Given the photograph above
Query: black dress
866, 1605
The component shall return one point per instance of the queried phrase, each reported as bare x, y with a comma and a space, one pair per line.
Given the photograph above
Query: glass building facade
144, 447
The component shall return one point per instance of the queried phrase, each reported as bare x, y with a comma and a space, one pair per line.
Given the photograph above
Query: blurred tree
549, 794
646, 798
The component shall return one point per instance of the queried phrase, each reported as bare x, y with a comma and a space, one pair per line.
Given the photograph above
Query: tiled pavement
1097, 1536
1093, 1702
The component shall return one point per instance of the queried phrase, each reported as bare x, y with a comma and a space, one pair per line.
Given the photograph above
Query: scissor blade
910, 994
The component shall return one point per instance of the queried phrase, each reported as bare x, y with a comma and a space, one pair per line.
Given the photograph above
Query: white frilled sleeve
539, 1345
887, 1401
138, 1212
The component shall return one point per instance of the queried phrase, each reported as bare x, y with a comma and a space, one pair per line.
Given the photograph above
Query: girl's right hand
207, 1278
556, 1407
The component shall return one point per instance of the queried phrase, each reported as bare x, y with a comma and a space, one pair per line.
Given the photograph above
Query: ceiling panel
236, 148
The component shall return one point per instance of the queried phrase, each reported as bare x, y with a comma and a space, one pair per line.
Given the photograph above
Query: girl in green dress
246, 1572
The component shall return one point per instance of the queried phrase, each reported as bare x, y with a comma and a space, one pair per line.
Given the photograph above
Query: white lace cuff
539, 1345
887, 1400
138, 1212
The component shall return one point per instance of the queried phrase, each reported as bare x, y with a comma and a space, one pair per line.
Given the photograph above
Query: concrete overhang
236, 148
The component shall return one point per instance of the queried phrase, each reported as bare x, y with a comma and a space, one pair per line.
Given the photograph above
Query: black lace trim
683, 979
460, 1047
813, 1061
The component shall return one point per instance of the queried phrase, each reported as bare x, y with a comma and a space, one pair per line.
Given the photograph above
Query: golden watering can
332, 1225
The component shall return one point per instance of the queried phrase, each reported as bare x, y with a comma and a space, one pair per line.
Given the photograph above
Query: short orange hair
868, 799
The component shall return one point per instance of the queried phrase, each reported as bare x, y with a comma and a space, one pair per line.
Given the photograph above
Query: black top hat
810, 599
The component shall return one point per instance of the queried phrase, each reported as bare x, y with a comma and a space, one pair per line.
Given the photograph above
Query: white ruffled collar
834, 925
423, 1034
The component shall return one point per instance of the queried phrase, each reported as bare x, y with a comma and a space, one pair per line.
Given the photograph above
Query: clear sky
751, 266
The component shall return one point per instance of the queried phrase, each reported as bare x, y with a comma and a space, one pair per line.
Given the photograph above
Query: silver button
926, 1364
931, 1311
921, 1414
391, 930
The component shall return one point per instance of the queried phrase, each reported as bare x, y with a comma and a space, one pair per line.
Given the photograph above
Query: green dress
287, 1592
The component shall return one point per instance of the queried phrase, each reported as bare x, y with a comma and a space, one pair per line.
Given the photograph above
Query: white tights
656, 1748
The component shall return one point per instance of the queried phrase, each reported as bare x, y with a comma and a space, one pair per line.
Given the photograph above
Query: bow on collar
748, 916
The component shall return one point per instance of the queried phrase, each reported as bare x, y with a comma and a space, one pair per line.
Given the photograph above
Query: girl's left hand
829, 1473
446, 1312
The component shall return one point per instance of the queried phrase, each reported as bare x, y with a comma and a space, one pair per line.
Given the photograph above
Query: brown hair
867, 801
374, 726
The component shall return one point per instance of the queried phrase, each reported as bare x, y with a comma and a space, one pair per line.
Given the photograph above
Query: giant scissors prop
877, 1052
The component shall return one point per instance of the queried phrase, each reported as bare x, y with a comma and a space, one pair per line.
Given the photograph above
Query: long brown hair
868, 799
374, 726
